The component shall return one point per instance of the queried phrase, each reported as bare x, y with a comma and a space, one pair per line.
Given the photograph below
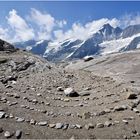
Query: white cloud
46, 23
45, 26
22, 31
4, 34
82, 32
130, 19
62, 23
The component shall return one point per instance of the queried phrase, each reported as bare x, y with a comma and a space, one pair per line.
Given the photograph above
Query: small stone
1, 129
71, 92
20, 119
32, 122
27, 120
117, 122
59, 89
87, 88
66, 100
87, 58
1, 109
48, 104
136, 110
51, 125
31, 108
89, 126
6, 116
16, 95
131, 96
2, 114
81, 105
43, 111
84, 93
7, 134
42, 123
102, 113
108, 123
129, 118
9, 94
59, 125
18, 134
11, 116
125, 121
86, 115
65, 126
25, 98
78, 126
120, 108
23, 106
38, 94
68, 113
34, 101
72, 126
107, 110
13, 82
100, 125
134, 131
125, 137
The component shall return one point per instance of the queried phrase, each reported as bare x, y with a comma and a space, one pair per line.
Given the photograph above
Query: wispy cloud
42, 25
80, 31
129, 19
46, 23
4, 34
22, 31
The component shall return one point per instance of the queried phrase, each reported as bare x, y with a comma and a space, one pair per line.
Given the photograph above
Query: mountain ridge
95, 44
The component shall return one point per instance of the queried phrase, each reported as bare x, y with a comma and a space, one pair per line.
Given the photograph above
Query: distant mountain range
106, 40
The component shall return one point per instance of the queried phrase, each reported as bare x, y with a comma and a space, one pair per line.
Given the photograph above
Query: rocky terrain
93, 99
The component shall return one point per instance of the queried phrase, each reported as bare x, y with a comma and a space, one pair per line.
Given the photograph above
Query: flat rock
100, 125
59, 125
42, 123
51, 125
120, 108
84, 93
20, 119
87, 58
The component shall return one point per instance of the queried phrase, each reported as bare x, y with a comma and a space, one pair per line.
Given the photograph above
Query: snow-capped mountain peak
101, 41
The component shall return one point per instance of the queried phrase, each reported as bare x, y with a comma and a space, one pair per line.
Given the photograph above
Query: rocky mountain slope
40, 100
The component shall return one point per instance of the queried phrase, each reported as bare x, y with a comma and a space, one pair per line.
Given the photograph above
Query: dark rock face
131, 30
5, 46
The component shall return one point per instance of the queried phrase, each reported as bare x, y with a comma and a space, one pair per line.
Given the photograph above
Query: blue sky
65, 13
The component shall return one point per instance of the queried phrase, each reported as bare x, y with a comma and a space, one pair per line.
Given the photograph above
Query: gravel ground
33, 101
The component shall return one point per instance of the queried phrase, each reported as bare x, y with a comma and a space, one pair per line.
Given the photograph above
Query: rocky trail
39, 100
